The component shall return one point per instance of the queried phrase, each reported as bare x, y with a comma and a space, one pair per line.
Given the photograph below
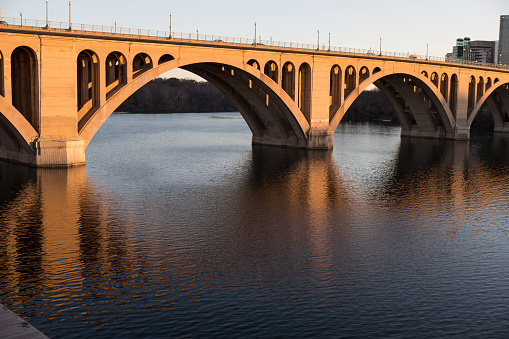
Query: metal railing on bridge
145, 33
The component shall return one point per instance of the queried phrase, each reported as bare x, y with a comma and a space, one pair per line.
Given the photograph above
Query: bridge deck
12, 326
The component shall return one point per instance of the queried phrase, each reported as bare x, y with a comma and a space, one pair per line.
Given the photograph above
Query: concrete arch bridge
57, 87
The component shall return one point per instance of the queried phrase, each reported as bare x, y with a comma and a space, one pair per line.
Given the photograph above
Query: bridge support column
59, 153
320, 139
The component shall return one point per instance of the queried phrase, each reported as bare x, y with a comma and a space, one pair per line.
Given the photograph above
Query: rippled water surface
178, 227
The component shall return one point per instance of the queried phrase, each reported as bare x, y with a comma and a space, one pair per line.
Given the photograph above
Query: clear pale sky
405, 26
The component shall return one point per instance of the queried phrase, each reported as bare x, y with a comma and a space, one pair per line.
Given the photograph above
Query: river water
178, 227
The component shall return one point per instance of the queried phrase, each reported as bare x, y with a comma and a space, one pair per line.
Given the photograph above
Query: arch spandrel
298, 121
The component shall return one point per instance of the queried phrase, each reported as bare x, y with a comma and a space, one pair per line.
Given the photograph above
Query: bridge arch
497, 98
488, 83
471, 95
271, 114
25, 84
430, 117
16, 133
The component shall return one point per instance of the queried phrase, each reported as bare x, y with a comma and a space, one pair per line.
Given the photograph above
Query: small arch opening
453, 95
434, 79
471, 94
2, 85
350, 80
271, 70
376, 70
488, 83
25, 85
496, 80
480, 88
444, 85
288, 79
363, 74
87, 83
335, 90
141, 64
424, 73
254, 64
305, 90
116, 72
165, 58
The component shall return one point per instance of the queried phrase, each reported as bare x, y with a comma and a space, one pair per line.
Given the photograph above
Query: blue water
178, 227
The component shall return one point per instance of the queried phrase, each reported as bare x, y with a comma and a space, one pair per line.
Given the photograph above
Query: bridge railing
144, 33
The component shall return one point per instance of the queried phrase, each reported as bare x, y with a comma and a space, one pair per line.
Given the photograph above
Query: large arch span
272, 116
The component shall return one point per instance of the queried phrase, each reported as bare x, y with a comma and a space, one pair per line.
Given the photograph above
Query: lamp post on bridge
380, 46
318, 47
170, 27
329, 41
21, 15
70, 25
47, 21
255, 35
427, 47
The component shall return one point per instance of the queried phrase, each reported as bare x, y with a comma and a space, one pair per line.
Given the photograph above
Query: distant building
461, 51
496, 53
503, 40
483, 51
477, 50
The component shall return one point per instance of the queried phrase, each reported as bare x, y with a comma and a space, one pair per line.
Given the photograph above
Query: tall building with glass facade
503, 41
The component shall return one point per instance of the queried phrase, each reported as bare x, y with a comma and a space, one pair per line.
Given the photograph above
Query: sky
404, 26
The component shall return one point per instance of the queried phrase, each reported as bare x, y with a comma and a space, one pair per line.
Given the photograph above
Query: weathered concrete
60, 86
13, 327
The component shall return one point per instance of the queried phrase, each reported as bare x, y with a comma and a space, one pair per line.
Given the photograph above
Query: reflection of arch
305, 90
350, 80
480, 88
488, 83
434, 78
165, 58
444, 85
25, 93
376, 70
471, 94
87, 83
424, 73
116, 72
288, 79
2, 86
363, 74
254, 63
335, 89
271, 70
453, 95
141, 63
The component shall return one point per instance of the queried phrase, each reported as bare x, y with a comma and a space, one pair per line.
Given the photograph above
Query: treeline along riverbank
189, 96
